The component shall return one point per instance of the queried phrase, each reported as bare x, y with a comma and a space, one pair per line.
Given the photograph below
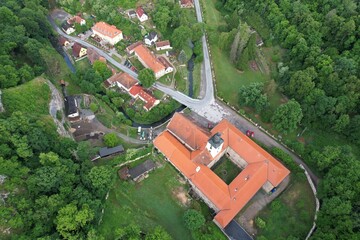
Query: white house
108, 32
140, 13
168, 67
68, 28
149, 60
151, 38
163, 45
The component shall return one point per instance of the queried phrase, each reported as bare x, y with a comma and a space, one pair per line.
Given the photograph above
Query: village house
121, 80
186, 3
168, 67
139, 92
78, 50
149, 60
107, 32
93, 56
163, 45
63, 41
151, 38
193, 150
130, 48
71, 108
76, 19
131, 14
68, 28
106, 152
141, 171
140, 13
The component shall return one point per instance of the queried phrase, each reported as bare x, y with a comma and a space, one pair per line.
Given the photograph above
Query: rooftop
192, 163
76, 48
164, 62
140, 11
124, 79
162, 43
141, 169
106, 29
149, 58
105, 151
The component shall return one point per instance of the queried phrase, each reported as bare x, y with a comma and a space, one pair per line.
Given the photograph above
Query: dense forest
320, 70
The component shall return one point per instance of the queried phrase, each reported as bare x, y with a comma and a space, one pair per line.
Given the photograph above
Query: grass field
291, 213
226, 170
31, 98
148, 203
197, 79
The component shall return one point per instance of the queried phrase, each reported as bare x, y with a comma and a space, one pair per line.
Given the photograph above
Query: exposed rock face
2, 109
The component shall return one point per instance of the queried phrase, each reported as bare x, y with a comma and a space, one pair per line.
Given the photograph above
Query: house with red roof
121, 80
186, 3
149, 100
168, 67
107, 32
163, 45
149, 60
141, 15
130, 48
76, 19
193, 150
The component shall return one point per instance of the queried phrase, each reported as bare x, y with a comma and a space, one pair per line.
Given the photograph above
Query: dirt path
247, 218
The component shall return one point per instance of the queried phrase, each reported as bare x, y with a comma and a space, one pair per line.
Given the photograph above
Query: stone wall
235, 158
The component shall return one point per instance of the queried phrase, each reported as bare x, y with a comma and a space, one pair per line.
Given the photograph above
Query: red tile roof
187, 2
62, 40
124, 79
106, 29
228, 199
164, 62
75, 19
138, 91
162, 43
139, 11
148, 58
132, 46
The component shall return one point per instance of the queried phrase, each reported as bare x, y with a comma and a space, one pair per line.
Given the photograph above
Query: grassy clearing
226, 170
197, 79
150, 202
211, 15
181, 80
290, 214
83, 64
229, 79
31, 98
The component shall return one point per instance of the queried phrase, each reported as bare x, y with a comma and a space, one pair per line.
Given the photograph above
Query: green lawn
292, 213
197, 79
226, 170
148, 203
83, 64
211, 15
31, 98
229, 79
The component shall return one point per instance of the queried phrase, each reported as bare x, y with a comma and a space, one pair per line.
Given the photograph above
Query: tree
70, 220
147, 77
101, 179
193, 219
181, 36
162, 18
132, 231
287, 116
252, 96
158, 233
102, 69
111, 139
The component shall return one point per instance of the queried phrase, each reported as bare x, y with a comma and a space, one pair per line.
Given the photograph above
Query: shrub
193, 219
111, 140
94, 107
260, 223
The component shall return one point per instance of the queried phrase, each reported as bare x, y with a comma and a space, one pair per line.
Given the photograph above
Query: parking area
60, 15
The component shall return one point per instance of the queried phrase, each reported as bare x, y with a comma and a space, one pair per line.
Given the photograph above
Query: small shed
139, 172
105, 151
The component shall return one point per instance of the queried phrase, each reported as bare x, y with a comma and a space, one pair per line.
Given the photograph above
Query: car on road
250, 133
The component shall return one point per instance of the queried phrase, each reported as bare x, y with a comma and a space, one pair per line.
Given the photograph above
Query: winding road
208, 106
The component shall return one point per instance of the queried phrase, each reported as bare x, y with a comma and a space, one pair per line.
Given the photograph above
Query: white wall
112, 41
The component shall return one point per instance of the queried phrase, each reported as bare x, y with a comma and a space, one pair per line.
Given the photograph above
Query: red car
250, 133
